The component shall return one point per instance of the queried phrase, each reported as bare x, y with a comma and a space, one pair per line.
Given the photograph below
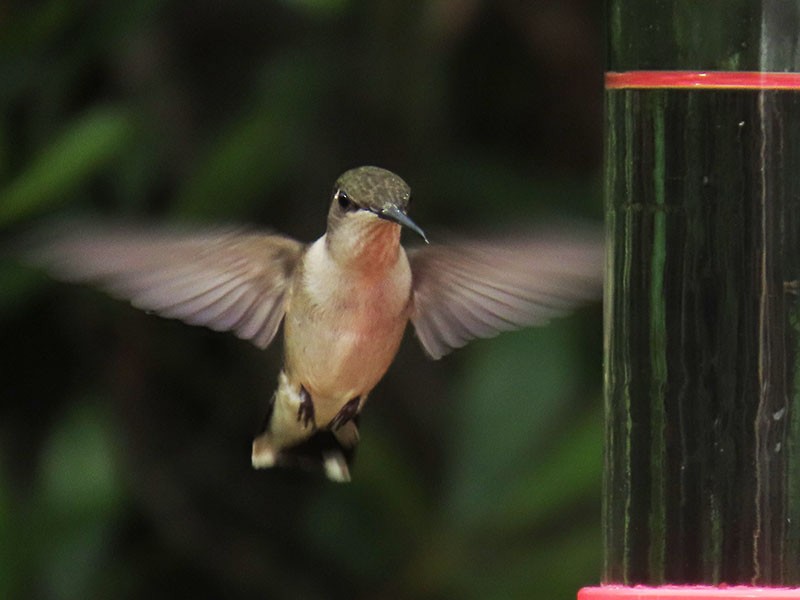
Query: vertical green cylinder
702, 372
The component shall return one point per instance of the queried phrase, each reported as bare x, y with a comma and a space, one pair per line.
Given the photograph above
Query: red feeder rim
688, 592
702, 80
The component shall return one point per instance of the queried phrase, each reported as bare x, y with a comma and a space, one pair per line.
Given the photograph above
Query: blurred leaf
55, 540
79, 476
7, 542
354, 532
36, 26
369, 524
383, 473
73, 157
517, 195
570, 472
240, 165
80, 493
5, 148
252, 155
74, 561
17, 283
553, 567
517, 388
319, 8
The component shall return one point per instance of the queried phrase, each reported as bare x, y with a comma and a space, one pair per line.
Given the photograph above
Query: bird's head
368, 201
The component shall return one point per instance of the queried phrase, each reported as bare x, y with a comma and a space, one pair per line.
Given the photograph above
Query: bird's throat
373, 248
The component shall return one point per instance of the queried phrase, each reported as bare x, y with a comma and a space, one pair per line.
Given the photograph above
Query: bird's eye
344, 200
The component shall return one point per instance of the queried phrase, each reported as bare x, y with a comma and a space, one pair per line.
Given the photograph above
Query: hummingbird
345, 300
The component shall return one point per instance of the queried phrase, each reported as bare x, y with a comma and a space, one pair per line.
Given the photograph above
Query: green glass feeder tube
702, 371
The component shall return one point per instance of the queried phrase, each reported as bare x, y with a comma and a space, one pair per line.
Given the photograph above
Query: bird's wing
227, 279
465, 290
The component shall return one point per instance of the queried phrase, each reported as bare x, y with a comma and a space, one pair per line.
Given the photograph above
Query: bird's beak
392, 213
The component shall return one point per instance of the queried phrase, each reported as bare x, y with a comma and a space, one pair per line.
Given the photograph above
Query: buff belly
338, 360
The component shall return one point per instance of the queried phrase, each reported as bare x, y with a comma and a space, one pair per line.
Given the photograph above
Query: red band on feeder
670, 592
735, 80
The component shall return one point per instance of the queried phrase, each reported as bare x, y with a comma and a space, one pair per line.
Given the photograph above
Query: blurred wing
227, 279
466, 290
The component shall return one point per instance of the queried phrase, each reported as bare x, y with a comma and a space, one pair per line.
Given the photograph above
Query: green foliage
7, 555
59, 532
70, 160
478, 476
321, 8
252, 152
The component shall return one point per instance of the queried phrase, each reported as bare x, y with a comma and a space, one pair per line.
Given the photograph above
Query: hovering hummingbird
344, 300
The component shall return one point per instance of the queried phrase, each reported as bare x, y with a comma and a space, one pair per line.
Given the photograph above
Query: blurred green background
125, 439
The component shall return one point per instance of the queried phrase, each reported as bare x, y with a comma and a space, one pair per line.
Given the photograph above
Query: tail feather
321, 452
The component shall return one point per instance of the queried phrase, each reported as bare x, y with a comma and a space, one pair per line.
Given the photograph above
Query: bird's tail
321, 452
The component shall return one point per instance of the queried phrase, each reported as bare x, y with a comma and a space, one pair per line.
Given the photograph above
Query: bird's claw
305, 411
345, 414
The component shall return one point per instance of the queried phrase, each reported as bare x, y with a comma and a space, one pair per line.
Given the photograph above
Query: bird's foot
305, 412
347, 434
345, 414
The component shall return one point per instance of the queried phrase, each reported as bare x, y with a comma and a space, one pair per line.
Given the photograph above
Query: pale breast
343, 327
